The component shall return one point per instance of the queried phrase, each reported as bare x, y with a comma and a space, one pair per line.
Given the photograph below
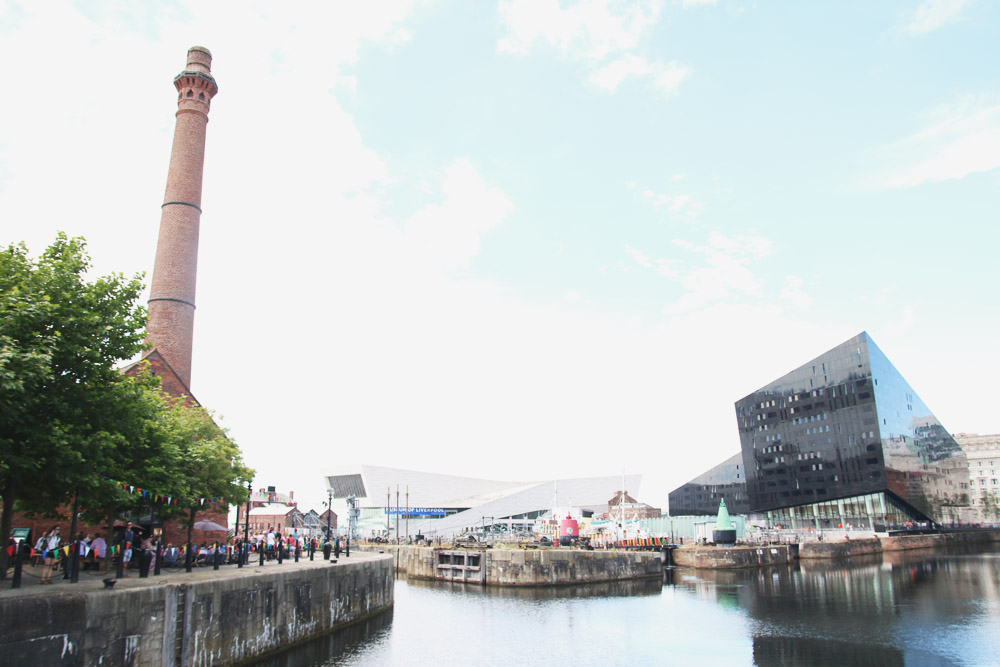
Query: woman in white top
51, 551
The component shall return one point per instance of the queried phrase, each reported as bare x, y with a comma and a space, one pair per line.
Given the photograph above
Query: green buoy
725, 532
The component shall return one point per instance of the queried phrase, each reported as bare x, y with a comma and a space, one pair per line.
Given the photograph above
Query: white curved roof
478, 498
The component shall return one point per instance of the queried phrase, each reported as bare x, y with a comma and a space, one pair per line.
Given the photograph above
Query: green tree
206, 465
138, 448
991, 507
61, 339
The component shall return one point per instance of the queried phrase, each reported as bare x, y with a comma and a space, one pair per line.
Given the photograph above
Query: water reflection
896, 609
810, 651
342, 645
909, 608
609, 589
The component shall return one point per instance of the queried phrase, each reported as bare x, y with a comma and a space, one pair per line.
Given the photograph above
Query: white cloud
99, 83
592, 31
449, 234
678, 206
666, 77
697, 3
724, 273
792, 291
962, 139
586, 30
641, 258
933, 14
718, 271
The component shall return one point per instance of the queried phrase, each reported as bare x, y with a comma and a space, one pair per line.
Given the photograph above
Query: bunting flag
156, 497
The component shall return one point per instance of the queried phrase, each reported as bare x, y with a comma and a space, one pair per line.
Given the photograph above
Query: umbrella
208, 525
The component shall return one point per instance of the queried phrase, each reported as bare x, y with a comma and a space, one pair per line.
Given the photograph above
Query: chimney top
199, 59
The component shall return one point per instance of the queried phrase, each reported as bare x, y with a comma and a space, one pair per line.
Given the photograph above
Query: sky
530, 239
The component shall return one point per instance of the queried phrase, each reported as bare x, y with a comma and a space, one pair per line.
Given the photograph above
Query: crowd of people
274, 544
139, 550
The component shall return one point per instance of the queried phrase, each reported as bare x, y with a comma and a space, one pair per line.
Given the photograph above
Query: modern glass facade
847, 426
870, 511
702, 494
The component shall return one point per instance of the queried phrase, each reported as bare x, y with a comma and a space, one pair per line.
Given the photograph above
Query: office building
844, 440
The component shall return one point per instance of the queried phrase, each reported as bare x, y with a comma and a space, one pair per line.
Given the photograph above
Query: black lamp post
329, 510
246, 526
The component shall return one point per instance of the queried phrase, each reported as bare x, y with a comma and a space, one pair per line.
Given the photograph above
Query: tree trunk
108, 542
189, 557
5, 524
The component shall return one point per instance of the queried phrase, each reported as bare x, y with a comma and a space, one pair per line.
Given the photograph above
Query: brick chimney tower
171, 296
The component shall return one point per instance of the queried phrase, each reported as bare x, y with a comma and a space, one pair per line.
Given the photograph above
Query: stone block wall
726, 558
536, 567
841, 549
848, 548
545, 567
213, 622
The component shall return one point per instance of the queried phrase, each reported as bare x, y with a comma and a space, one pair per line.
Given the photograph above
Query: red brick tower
171, 296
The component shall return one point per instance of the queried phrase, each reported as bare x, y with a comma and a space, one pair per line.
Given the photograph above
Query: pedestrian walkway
91, 581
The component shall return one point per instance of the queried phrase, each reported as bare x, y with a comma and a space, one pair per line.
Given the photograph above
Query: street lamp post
329, 510
246, 526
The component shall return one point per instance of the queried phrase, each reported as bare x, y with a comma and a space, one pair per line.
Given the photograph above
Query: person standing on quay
128, 537
51, 546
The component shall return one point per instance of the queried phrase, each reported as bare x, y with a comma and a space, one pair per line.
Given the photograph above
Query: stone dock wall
527, 567
717, 558
217, 621
847, 548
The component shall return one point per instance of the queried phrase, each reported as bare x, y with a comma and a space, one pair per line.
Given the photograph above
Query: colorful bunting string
157, 497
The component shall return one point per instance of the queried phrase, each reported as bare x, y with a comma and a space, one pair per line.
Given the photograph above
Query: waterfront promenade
92, 580
204, 617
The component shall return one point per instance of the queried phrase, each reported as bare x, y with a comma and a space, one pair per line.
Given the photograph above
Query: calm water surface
915, 608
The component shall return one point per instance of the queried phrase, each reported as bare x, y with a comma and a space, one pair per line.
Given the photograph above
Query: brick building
633, 508
331, 517
270, 508
267, 496
282, 518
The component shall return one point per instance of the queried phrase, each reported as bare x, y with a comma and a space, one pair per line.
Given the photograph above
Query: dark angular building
843, 439
702, 494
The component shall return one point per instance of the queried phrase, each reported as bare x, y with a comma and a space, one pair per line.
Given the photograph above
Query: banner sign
424, 511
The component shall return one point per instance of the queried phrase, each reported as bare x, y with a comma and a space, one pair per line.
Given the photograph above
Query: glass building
844, 440
701, 496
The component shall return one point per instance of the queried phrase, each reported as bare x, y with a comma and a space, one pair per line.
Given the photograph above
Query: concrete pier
776, 554
725, 558
878, 545
203, 618
522, 567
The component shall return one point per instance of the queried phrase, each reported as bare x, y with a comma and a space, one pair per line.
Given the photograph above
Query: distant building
701, 496
446, 505
268, 497
282, 518
633, 509
983, 452
329, 517
844, 439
